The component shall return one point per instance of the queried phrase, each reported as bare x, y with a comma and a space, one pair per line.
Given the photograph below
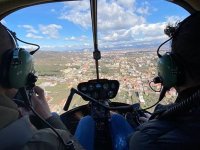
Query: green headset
168, 70
16, 66
170, 73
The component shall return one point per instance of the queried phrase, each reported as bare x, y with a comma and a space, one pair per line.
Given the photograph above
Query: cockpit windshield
129, 33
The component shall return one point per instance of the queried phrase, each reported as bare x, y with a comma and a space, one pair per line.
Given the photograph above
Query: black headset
16, 66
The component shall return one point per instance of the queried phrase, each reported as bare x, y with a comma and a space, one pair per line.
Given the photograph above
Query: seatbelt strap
16, 134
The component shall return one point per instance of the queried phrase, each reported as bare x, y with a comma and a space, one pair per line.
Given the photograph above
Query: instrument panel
100, 89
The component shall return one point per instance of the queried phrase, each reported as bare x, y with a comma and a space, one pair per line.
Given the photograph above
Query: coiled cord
183, 106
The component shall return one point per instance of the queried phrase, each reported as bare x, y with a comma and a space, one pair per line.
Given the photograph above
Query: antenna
96, 53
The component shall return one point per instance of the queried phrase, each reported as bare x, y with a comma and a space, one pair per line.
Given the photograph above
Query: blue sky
123, 24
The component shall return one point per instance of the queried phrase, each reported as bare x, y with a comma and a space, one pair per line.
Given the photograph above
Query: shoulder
148, 133
164, 134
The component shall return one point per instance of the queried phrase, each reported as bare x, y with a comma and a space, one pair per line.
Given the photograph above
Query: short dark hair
186, 45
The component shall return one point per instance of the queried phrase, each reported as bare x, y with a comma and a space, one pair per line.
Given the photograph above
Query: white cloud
52, 30
121, 23
126, 3
29, 28
68, 47
32, 32
143, 10
135, 36
137, 32
77, 12
31, 35
86, 44
111, 14
73, 38
78, 5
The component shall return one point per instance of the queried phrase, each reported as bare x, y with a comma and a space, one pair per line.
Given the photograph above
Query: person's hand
40, 104
146, 118
11, 92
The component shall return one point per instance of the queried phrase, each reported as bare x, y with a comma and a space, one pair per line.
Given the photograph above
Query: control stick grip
69, 99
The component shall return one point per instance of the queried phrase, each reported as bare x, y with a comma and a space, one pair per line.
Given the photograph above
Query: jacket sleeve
55, 121
148, 136
142, 141
46, 139
160, 134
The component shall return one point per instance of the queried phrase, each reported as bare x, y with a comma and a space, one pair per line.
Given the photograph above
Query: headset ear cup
15, 76
168, 70
18, 74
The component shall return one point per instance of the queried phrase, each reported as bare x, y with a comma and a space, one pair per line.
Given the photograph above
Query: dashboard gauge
99, 89
91, 87
98, 86
83, 88
110, 94
113, 86
106, 86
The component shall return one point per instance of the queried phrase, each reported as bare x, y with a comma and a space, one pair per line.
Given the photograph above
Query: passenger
176, 126
16, 130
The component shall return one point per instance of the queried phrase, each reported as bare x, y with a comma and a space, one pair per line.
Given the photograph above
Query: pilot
16, 130
176, 126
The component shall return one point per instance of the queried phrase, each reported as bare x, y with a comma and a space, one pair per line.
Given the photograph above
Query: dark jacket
180, 131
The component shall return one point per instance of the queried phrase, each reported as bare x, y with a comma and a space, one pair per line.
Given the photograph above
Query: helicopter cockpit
99, 92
